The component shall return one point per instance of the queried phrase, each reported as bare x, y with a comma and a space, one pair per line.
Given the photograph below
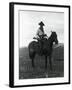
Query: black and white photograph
41, 44
41, 39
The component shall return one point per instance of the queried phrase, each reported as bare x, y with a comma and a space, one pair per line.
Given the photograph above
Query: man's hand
34, 37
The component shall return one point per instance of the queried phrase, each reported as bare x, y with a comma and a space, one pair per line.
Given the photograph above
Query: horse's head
54, 37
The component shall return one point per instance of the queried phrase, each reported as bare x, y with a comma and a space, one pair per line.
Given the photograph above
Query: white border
16, 48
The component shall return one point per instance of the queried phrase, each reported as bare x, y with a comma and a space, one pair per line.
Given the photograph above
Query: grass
26, 71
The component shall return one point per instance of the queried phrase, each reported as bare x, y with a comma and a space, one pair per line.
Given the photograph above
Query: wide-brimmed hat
41, 24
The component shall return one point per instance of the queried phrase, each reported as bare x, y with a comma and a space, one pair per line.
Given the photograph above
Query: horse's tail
31, 48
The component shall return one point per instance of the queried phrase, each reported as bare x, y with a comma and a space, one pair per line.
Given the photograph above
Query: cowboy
40, 31
40, 34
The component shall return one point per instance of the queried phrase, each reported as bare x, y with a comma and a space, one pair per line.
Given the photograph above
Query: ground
26, 71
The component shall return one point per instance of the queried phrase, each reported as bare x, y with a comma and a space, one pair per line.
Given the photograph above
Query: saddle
41, 37
41, 42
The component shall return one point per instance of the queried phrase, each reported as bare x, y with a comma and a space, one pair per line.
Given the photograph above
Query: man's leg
41, 48
41, 45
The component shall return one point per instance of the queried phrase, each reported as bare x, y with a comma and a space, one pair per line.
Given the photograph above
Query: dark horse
34, 48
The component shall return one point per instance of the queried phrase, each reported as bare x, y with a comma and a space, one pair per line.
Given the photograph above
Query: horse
34, 48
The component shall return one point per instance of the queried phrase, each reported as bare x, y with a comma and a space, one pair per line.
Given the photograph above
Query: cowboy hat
41, 23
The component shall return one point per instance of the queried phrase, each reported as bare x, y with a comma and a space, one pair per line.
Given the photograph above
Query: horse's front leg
50, 62
46, 62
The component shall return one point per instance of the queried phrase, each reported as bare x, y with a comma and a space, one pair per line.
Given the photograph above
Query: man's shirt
39, 32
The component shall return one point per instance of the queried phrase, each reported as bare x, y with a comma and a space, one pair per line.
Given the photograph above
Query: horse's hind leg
50, 62
46, 62
32, 62
32, 55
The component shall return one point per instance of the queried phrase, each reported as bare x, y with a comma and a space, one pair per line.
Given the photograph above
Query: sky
28, 25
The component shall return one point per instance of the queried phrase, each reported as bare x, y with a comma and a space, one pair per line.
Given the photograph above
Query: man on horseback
40, 35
